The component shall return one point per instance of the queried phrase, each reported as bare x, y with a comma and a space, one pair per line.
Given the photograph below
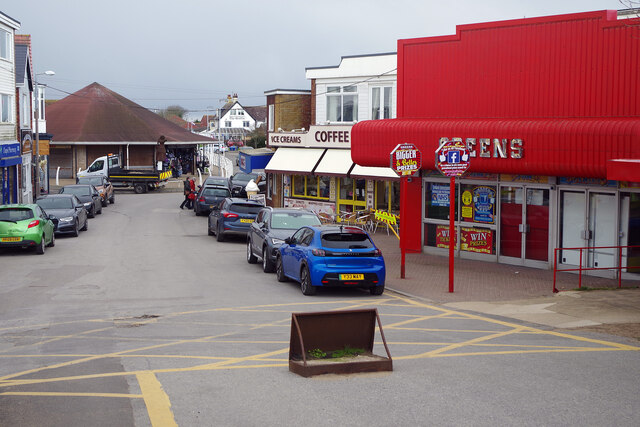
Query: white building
237, 121
10, 150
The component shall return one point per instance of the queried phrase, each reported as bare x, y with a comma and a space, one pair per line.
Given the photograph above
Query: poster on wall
442, 236
476, 240
440, 195
467, 209
484, 204
312, 205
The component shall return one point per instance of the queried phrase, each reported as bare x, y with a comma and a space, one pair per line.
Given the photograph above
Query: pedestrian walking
187, 193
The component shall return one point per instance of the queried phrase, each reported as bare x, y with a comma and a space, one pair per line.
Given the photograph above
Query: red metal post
452, 228
580, 271
555, 269
619, 266
404, 183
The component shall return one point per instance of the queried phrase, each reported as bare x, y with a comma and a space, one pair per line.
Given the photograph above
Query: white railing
219, 160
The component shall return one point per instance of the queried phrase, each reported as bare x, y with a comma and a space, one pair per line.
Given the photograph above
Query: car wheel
209, 232
376, 290
86, 225
305, 282
76, 230
53, 240
251, 258
92, 212
280, 270
112, 199
40, 247
219, 234
104, 202
100, 210
267, 264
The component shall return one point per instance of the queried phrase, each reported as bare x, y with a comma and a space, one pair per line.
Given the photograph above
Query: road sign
452, 158
406, 159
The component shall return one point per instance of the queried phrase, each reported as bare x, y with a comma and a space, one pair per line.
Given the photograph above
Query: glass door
588, 220
524, 225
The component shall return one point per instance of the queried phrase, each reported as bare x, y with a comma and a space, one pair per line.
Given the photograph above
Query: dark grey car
271, 227
208, 197
88, 195
66, 211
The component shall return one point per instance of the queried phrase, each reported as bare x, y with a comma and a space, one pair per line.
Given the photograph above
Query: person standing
192, 193
187, 192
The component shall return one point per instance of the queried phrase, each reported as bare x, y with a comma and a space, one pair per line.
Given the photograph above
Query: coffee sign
317, 137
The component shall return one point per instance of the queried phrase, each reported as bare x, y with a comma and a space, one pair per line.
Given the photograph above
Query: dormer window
342, 103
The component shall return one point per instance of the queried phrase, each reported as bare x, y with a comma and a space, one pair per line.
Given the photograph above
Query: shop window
380, 103
437, 201
630, 226
478, 203
315, 187
342, 103
388, 196
352, 195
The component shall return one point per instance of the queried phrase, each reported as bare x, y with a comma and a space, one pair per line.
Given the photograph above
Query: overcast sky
194, 52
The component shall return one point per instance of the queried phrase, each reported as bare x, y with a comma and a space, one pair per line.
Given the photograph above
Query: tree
173, 110
257, 138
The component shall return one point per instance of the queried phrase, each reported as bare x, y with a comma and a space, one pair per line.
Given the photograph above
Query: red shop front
549, 109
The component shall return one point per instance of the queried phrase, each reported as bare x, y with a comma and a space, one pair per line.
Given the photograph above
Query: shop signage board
321, 136
406, 159
452, 158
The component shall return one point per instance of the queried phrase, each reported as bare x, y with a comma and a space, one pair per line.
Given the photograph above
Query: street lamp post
37, 91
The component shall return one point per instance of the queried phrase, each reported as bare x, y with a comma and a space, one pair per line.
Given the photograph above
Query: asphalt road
146, 320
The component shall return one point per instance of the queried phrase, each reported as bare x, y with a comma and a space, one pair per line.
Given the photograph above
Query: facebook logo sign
453, 156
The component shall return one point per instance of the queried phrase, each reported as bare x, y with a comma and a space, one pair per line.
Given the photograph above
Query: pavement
503, 290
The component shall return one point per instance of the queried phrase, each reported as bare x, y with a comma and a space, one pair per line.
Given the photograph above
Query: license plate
210, 206
11, 239
352, 277
246, 220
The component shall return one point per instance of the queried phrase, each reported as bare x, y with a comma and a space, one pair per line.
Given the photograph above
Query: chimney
235, 97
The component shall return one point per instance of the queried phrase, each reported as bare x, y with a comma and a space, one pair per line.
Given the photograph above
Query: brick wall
292, 111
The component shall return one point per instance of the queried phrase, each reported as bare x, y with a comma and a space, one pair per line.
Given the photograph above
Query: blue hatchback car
331, 256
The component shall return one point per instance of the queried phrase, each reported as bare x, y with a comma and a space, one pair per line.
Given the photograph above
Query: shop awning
577, 147
335, 162
299, 161
623, 170
373, 173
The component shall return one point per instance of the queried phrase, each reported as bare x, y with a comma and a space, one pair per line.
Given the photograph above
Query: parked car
233, 215
271, 227
219, 181
208, 197
331, 256
26, 226
88, 195
66, 212
239, 180
104, 187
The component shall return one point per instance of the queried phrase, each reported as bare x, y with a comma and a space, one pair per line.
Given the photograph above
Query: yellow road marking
57, 339
157, 401
67, 394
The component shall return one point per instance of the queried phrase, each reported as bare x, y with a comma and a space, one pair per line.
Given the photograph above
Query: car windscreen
92, 181
346, 241
244, 177
15, 214
245, 208
217, 192
78, 191
55, 203
216, 181
293, 220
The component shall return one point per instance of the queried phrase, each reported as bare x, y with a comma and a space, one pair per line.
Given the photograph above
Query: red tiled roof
95, 113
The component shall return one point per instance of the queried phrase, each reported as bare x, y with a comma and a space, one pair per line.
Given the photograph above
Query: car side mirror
290, 241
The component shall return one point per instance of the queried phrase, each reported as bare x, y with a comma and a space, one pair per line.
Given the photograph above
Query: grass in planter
347, 351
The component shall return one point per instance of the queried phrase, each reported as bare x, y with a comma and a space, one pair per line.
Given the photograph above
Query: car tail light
34, 223
201, 199
230, 215
318, 252
377, 252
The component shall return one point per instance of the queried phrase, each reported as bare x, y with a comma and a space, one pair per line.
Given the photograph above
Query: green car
25, 226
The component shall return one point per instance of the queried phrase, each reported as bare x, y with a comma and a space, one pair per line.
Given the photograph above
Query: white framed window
24, 114
272, 116
6, 42
342, 103
381, 98
227, 124
245, 124
6, 112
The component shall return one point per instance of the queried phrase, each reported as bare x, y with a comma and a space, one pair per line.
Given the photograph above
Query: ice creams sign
406, 159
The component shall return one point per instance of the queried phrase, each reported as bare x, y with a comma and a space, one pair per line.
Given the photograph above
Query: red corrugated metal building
549, 109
